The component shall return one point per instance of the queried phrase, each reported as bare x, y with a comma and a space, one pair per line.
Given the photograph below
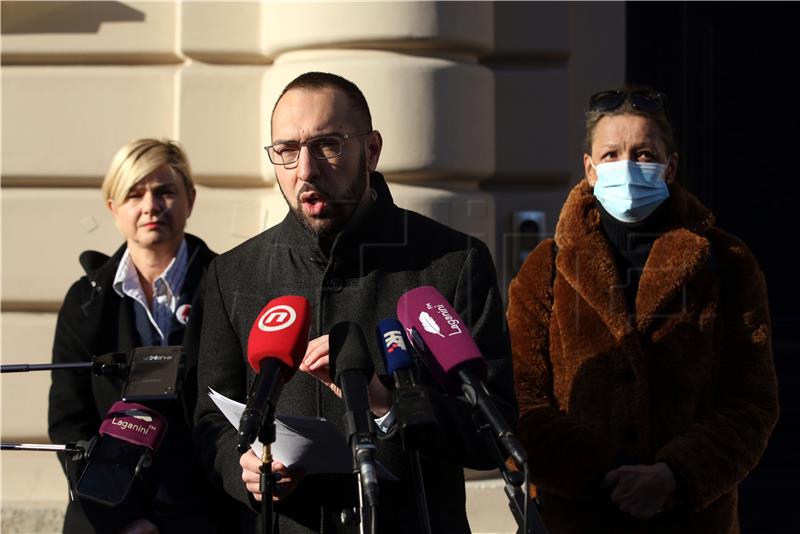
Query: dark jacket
685, 378
370, 265
94, 320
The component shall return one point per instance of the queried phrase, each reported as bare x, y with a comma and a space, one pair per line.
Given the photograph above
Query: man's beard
339, 208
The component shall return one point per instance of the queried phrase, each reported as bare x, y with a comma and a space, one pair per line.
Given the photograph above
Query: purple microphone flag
135, 424
449, 345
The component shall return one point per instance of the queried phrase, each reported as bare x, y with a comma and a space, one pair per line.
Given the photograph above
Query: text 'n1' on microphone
453, 357
413, 410
275, 347
352, 368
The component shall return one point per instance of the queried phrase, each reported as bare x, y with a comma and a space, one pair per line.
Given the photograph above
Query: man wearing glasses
347, 248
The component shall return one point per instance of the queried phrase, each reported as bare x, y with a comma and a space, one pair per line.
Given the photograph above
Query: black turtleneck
631, 244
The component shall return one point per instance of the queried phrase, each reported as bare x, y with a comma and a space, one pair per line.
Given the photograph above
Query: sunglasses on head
640, 99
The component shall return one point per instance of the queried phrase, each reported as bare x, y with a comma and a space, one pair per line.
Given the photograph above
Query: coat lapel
588, 266
676, 258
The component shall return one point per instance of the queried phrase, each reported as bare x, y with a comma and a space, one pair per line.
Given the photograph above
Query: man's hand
251, 475
139, 526
316, 362
641, 490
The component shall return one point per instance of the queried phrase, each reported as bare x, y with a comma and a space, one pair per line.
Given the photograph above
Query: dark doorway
729, 72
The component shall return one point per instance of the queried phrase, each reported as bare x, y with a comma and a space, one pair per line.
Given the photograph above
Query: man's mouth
312, 202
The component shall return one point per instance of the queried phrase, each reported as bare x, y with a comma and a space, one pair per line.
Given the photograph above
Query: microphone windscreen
394, 346
449, 346
135, 424
348, 351
281, 333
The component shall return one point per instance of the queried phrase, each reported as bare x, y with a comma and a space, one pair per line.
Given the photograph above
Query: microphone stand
266, 480
527, 517
114, 363
75, 449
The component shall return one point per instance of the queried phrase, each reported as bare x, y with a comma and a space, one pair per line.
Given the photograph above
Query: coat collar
586, 261
370, 226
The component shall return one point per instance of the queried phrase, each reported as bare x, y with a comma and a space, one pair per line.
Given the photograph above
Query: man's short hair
323, 80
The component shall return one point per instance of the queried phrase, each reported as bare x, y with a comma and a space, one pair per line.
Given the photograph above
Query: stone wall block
65, 222
27, 338
462, 27
62, 125
52, 32
436, 115
223, 31
221, 124
532, 110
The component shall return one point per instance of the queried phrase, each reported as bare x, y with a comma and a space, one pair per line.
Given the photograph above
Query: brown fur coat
686, 379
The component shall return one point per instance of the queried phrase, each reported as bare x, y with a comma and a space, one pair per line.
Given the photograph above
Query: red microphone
275, 347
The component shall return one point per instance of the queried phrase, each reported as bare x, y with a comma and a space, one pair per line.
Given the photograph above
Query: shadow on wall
63, 17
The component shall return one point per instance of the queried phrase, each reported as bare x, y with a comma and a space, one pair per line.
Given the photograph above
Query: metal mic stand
266, 480
524, 509
108, 364
76, 450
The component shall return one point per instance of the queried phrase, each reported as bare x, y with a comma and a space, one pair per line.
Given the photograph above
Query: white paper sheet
311, 443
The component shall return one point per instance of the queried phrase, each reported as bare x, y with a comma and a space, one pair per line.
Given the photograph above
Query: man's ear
373, 149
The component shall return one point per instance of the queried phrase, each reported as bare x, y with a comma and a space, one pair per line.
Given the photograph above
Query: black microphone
275, 347
352, 368
129, 435
454, 357
413, 410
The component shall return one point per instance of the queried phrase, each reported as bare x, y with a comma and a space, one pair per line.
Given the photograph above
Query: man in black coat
347, 248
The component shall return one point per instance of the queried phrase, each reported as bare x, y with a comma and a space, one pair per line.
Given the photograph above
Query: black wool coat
370, 265
94, 320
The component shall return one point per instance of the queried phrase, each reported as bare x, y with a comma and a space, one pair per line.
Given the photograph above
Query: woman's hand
641, 491
139, 526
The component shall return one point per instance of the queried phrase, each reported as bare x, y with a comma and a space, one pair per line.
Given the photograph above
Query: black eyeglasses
643, 100
325, 147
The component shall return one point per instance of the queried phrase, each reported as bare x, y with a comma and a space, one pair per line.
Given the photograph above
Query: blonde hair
139, 158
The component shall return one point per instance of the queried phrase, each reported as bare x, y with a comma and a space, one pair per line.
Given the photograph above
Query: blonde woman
140, 296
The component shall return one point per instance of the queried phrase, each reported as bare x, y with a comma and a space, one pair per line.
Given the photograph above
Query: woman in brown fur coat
641, 340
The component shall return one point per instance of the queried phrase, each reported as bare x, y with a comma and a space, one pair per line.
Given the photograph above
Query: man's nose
306, 165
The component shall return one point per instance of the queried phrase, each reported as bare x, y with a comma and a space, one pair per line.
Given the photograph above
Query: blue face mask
630, 190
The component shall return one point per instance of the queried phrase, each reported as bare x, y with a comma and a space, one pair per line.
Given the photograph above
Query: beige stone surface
471, 212
531, 29
26, 338
436, 115
222, 123
62, 125
487, 507
531, 118
64, 222
89, 32
223, 31
449, 27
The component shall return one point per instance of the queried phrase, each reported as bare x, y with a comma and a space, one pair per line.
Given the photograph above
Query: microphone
129, 435
453, 357
414, 414
352, 368
275, 347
